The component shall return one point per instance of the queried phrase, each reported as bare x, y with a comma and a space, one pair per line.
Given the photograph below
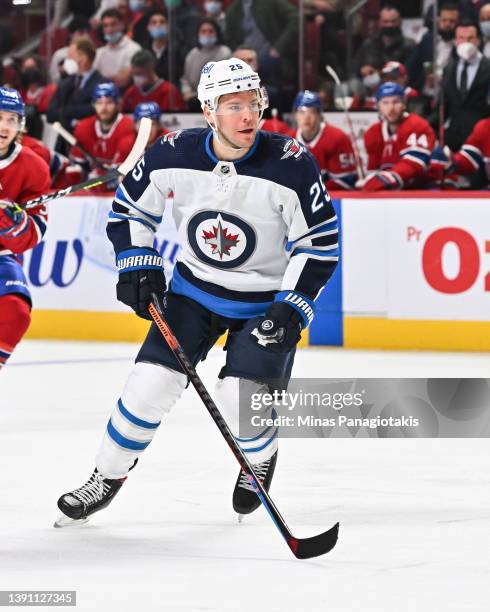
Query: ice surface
414, 513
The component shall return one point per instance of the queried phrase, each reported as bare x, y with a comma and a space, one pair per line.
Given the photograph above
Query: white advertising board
425, 259
73, 268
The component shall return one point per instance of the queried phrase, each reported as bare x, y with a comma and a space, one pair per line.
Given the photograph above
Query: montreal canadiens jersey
249, 229
406, 153
24, 176
102, 145
333, 151
475, 153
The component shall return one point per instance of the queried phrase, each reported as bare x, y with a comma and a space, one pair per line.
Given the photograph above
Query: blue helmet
147, 109
106, 90
11, 101
307, 98
389, 89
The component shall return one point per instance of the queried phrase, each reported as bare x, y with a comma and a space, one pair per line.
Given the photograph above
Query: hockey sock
260, 444
15, 316
151, 390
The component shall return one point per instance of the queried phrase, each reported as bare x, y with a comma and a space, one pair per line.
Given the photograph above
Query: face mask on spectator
136, 5
466, 51
485, 28
371, 80
30, 76
391, 32
158, 32
446, 35
70, 66
212, 8
113, 38
207, 41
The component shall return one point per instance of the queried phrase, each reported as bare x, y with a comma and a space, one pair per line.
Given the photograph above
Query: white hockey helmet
225, 77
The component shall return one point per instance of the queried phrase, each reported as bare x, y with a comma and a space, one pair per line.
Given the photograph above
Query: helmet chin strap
219, 135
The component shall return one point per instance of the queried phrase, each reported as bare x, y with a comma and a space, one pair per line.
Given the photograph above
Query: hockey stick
302, 548
353, 138
127, 165
70, 139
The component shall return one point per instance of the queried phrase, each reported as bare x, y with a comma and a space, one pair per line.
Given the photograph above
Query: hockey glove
13, 219
379, 181
140, 275
280, 330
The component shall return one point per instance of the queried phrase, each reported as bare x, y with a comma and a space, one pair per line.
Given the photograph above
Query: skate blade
240, 518
65, 521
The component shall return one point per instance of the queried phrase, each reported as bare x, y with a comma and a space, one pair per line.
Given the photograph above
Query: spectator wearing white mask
114, 58
213, 9
465, 85
485, 28
209, 49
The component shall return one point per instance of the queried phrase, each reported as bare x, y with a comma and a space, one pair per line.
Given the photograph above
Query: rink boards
415, 273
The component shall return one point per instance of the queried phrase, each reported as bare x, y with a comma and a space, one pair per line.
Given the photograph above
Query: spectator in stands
73, 97
34, 90
147, 87
398, 146
370, 78
141, 9
485, 28
209, 48
113, 59
213, 9
79, 27
271, 28
419, 64
167, 53
331, 147
145, 109
389, 43
465, 85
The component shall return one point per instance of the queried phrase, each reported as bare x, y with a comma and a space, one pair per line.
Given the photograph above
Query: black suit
71, 102
465, 112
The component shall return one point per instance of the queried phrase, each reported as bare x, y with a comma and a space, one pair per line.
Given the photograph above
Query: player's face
308, 120
106, 109
238, 118
391, 108
9, 126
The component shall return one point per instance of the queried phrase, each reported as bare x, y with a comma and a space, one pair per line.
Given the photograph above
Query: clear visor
236, 106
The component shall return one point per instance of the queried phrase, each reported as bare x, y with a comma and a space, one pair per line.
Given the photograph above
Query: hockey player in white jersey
259, 242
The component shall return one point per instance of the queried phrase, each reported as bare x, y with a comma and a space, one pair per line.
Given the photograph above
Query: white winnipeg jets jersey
249, 229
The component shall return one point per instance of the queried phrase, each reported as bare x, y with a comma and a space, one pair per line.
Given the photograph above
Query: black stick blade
306, 548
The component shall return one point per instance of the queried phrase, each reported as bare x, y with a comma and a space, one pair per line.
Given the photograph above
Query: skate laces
260, 470
92, 491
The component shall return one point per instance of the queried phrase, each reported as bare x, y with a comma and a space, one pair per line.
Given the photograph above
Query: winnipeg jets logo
292, 148
220, 239
171, 137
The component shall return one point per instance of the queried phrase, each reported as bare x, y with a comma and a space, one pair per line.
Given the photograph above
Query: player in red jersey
273, 123
99, 135
147, 87
331, 147
398, 146
473, 156
145, 109
23, 176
